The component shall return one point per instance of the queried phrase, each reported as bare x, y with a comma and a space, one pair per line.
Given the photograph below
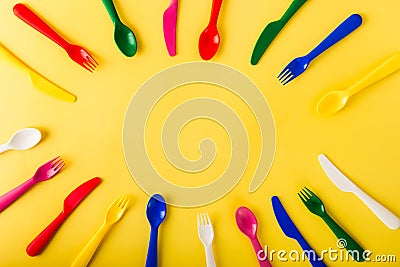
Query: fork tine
90, 63
51, 161
126, 202
283, 72
291, 77
198, 220
56, 162
59, 166
87, 68
284, 77
118, 201
208, 218
308, 191
302, 197
92, 60
205, 219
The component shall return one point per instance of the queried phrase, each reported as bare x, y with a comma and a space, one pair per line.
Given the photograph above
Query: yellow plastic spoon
336, 100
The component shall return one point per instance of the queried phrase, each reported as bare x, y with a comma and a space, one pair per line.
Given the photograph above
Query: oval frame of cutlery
150, 94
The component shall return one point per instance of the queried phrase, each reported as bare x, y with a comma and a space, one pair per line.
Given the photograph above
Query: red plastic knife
70, 203
169, 26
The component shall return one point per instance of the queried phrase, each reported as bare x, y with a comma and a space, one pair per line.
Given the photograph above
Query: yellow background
363, 139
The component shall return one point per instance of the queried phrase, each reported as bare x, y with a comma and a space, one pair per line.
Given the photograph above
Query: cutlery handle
210, 256
111, 10
261, 257
4, 147
310, 252
344, 29
6, 55
83, 259
385, 69
349, 243
216, 7
11, 196
152, 257
33, 20
385, 215
296, 4
40, 242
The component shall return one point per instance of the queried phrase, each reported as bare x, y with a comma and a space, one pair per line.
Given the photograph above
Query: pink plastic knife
169, 26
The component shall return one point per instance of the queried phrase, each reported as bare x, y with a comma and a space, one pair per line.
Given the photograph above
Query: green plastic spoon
123, 36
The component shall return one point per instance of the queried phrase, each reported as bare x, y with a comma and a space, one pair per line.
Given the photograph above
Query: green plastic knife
272, 30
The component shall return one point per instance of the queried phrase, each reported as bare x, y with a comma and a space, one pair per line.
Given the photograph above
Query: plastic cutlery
272, 30
113, 215
334, 101
206, 235
123, 36
70, 203
75, 52
169, 27
156, 212
22, 140
247, 224
43, 173
298, 65
38, 81
315, 205
291, 231
346, 185
209, 38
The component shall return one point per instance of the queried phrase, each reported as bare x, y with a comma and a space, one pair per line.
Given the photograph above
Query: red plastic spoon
247, 223
209, 38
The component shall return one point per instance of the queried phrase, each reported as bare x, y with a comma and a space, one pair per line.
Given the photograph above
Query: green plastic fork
316, 206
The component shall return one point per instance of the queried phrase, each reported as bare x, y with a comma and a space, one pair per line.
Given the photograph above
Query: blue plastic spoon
156, 212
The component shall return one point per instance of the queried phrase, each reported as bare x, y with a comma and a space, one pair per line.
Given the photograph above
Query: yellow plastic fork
113, 215
38, 81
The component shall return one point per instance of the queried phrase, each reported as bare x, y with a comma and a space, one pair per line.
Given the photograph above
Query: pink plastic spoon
209, 38
247, 223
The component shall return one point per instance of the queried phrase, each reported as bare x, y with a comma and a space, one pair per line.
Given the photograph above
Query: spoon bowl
209, 42
22, 140
332, 102
247, 222
125, 39
156, 210
209, 38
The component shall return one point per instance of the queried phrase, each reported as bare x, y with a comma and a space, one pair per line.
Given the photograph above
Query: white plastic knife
344, 184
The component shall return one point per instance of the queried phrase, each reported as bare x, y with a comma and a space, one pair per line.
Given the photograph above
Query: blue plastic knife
290, 230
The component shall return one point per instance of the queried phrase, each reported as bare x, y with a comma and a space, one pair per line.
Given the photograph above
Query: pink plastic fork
75, 52
43, 173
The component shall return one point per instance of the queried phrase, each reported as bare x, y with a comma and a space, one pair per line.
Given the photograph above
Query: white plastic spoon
22, 140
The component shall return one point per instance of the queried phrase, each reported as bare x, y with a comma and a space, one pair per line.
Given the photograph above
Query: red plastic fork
75, 52
43, 173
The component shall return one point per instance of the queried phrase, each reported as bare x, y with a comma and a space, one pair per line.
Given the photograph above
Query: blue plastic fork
298, 65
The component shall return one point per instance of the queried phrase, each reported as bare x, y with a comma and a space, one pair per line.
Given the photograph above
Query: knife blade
70, 203
272, 30
169, 27
346, 185
290, 230
38, 81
